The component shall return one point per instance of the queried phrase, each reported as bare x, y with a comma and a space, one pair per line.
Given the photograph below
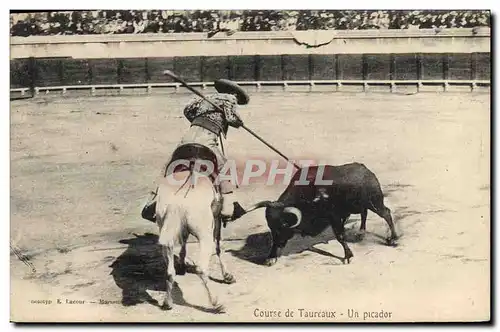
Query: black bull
308, 209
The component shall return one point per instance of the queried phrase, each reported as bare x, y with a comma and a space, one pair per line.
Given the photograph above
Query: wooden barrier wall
388, 41
43, 72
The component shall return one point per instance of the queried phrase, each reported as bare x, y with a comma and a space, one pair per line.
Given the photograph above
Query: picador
208, 126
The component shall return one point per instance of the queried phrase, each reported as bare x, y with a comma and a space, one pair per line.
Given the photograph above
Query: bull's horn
265, 204
240, 211
296, 212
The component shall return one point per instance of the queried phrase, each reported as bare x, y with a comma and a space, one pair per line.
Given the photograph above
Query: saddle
193, 152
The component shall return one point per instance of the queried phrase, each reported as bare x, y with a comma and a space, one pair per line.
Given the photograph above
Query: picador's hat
230, 87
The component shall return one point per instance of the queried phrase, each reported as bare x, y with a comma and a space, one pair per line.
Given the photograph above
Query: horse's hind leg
166, 240
168, 254
206, 251
181, 270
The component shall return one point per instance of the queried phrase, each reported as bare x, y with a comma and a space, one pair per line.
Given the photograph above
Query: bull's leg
168, 255
206, 250
364, 214
362, 227
339, 231
385, 213
279, 240
379, 208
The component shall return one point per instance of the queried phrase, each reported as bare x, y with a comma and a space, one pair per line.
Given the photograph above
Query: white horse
189, 202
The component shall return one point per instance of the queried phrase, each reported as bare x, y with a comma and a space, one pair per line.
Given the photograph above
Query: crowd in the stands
213, 21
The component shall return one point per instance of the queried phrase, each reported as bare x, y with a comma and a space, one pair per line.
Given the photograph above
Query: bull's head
276, 207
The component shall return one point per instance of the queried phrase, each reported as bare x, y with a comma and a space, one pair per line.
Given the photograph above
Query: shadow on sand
140, 268
257, 246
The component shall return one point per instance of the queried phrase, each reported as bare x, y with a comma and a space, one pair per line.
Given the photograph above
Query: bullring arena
433, 166
82, 166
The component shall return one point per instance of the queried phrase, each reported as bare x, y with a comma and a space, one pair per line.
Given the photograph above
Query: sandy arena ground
82, 167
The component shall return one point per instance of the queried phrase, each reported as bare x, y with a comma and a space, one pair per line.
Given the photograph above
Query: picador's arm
231, 114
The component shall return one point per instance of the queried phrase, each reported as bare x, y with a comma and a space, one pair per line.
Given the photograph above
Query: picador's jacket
201, 113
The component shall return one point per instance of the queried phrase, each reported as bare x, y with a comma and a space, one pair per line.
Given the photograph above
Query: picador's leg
226, 187
228, 199
149, 210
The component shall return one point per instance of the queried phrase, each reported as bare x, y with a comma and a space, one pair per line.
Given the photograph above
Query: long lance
196, 92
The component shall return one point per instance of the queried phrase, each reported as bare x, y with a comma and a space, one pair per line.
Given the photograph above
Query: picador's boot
227, 206
231, 209
149, 210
